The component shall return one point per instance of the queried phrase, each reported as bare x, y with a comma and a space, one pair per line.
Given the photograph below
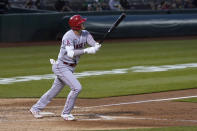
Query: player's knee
78, 89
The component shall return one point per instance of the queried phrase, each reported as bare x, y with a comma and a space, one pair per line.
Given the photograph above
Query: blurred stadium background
99, 5
44, 20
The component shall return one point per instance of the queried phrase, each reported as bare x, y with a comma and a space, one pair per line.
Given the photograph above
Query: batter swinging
73, 45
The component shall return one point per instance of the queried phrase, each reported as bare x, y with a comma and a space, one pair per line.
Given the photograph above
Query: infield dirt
15, 115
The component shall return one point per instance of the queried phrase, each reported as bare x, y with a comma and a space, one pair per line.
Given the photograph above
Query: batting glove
52, 61
90, 50
97, 46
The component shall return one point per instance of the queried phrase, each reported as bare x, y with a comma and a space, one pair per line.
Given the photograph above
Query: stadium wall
40, 26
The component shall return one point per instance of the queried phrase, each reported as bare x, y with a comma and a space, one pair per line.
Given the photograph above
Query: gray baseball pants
64, 77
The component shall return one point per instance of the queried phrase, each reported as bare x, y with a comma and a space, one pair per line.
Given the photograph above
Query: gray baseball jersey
64, 68
78, 42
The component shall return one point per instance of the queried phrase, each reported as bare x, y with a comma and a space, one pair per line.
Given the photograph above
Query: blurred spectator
78, 5
125, 4
179, 4
29, 4
89, 7
104, 5
173, 4
115, 5
39, 4
66, 6
61, 5
97, 5
165, 5
4, 6
188, 4
152, 5
195, 3
17, 3
94, 6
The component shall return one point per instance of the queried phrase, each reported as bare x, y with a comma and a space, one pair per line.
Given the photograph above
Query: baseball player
72, 47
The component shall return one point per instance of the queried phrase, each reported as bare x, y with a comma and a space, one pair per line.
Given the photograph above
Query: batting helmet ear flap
76, 21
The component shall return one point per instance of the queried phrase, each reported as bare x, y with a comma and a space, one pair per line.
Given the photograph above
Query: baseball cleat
68, 117
36, 114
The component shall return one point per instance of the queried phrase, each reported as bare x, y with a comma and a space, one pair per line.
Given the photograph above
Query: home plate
47, 113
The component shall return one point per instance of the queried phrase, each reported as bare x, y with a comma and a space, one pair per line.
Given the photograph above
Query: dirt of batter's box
98, 114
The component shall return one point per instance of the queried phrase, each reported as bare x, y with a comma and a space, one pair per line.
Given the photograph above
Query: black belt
70, 64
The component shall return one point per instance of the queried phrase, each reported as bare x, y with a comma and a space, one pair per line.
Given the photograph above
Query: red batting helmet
76, 21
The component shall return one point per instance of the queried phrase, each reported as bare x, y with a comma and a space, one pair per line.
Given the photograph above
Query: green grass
181, 128
24, 61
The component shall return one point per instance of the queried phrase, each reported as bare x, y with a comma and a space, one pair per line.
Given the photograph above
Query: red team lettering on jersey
75, 44
68, 43
79, 46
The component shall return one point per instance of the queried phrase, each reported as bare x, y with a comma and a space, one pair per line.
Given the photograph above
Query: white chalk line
44, 114
101, 72
47, 113
142, 118
138, 102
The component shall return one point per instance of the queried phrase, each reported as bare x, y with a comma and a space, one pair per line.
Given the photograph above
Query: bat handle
101, 41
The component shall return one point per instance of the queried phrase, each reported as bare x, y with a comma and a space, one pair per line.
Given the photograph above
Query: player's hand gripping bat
122, 16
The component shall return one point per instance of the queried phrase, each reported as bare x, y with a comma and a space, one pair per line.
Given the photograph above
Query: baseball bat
122, 16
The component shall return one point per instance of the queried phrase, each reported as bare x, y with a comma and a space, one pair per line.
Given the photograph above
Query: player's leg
75, 86
49, 95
